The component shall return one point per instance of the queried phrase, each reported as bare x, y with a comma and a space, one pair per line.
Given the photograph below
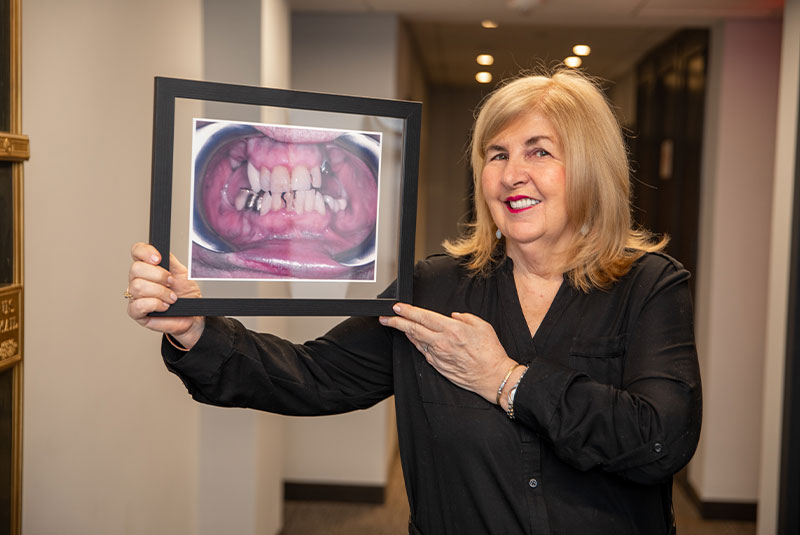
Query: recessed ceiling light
487, 23
573, 62
485, 59
484, 77
581, 50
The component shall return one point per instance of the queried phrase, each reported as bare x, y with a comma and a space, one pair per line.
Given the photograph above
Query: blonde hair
597, 177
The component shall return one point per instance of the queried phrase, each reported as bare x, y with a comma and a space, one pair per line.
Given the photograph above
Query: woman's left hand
462, 347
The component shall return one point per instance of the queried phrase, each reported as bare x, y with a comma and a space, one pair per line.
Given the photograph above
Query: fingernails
383, 320
396, 308
173, 297
170, 280
155, 258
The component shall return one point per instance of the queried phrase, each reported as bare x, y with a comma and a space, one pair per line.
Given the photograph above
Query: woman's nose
515, 173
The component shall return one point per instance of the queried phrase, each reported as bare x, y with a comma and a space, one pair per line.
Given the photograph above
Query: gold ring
127, 295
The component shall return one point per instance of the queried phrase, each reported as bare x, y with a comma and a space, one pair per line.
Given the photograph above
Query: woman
551, 382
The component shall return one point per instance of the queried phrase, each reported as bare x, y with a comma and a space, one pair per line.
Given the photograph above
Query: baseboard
745, 511
334, 493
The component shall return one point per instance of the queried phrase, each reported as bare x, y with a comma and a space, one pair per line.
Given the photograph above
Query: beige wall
778, 274
112, 442
736, 201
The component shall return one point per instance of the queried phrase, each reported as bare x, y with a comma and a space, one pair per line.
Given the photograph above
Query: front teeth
263, 180
316, 177
279, 180
301, 178
296, 190
253, 176
523, 203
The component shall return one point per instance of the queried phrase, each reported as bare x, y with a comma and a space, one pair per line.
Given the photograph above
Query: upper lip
518, 197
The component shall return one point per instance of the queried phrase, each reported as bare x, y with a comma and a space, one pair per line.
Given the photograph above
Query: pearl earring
498, 234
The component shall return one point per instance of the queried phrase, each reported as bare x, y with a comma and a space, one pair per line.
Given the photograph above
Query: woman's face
524, 184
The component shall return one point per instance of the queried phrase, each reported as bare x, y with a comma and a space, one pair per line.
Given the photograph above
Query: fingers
417, 323
138, 309
469, 319
149, 272
427, 318
144, 252
143, 288
415, 331
175, 265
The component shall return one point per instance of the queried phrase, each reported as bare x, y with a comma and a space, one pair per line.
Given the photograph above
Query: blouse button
533, 483
657, 447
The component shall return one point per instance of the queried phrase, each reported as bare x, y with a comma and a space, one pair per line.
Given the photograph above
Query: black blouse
609, 410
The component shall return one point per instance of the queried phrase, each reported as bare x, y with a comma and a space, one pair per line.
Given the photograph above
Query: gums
283, 203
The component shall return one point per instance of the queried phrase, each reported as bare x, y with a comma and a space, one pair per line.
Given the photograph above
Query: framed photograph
284, 202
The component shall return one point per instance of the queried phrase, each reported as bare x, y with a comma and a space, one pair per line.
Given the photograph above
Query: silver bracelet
510, 410
505, 380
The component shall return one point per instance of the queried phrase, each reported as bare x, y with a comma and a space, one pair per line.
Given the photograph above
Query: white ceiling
448, 36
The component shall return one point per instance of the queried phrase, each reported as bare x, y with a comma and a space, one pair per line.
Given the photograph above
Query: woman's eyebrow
495, 148
536, 139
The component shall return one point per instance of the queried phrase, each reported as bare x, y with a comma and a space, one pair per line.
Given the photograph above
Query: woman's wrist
190, 336
513, 381
498, 381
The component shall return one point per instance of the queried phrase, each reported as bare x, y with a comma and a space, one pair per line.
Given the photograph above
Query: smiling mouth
520, 203
273, 202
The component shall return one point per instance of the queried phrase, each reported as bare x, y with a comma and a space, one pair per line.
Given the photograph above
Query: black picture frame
168, 90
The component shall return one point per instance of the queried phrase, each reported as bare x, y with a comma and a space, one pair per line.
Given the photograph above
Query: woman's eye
498, 156
541, 153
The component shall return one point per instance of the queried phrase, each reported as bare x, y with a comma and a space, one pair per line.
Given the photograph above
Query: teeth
316, 177
277, 202
263, 180
266, 204
279, 180
253, 176
301, 178
300, 200
523, 203
241, 199
342, 204
331, 202
310, 199
319, 203
284, 188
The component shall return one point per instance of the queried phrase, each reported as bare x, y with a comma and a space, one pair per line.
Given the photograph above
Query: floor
391, 517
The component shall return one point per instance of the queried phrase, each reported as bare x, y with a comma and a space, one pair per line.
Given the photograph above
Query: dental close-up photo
283, 202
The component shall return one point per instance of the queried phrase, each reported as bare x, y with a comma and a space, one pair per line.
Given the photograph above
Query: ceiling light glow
487, 23
484, 77
581, 50
485, 59
573, 62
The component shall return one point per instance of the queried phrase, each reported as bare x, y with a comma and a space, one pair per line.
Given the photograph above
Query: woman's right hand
154, 289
